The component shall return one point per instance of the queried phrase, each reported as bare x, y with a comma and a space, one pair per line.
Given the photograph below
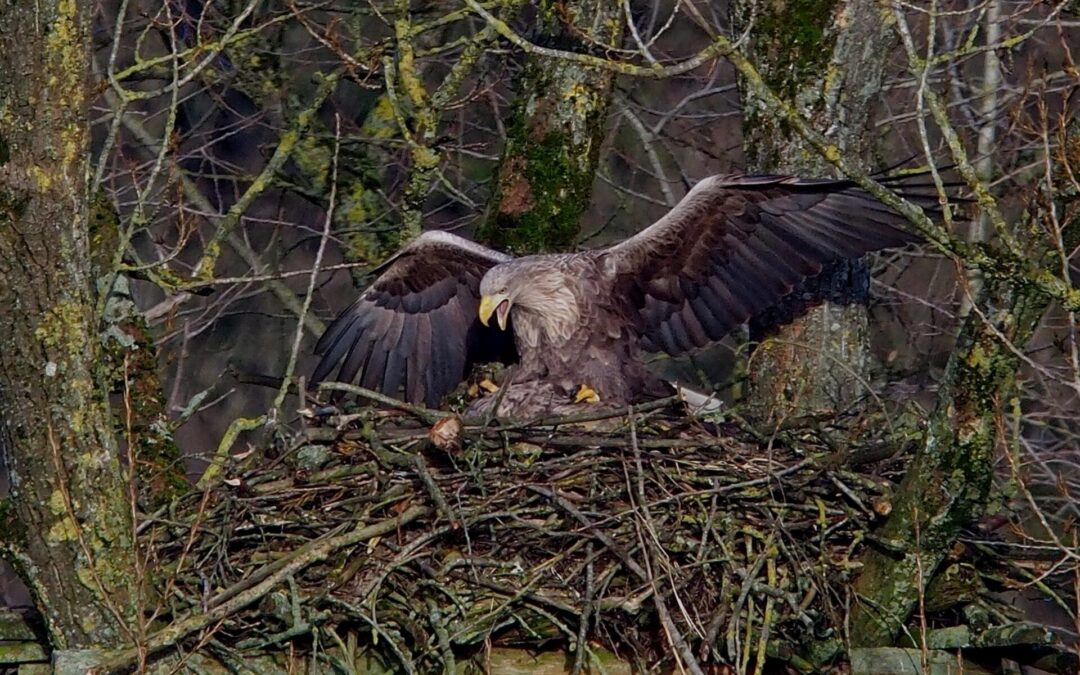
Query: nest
653, 536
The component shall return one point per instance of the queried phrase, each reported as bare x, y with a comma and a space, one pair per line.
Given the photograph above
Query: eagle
578, 324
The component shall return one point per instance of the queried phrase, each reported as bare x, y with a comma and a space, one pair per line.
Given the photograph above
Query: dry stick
240, 247
586, 611
431, 416
204, 269
607, 541
426, 415
633, 566
434, 491
676, 637
719, 47
316, 267
313, 552
590, 416
576, 441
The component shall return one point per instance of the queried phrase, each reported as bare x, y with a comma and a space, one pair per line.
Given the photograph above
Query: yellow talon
586, 394
488, 386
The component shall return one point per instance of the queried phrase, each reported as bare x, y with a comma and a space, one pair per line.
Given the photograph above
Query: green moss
129, 367
796, 42
547, 172
554, 136
542, 196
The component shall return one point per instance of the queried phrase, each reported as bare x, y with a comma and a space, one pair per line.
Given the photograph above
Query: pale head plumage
537, 291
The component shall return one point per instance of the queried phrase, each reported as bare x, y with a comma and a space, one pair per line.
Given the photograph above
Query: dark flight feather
411, 325
744, 242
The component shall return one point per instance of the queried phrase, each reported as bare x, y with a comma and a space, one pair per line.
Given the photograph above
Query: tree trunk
827, 57
554, 137
949, 480
948, 483
73, 543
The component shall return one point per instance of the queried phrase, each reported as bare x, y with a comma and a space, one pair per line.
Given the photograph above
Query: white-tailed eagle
733, 247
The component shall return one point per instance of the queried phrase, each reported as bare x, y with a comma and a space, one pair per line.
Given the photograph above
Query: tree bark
948, 482
73, 538
827, 57
556, 130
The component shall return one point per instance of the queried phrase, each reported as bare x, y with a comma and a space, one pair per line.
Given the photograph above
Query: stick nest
654, 536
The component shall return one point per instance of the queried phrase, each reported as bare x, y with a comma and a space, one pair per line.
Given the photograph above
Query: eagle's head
533, 285
500, 289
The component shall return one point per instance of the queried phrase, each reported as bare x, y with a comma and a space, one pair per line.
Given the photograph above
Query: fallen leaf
446, 434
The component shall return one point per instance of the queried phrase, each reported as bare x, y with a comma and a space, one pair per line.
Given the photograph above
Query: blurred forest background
251, 160
238, 160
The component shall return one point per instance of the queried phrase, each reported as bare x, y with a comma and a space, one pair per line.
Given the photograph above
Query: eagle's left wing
735, 245
416, 326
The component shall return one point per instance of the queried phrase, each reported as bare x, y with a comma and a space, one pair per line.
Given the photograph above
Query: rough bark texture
948, 483
73, 540
128, 367
949, 480
827, 57
557, 127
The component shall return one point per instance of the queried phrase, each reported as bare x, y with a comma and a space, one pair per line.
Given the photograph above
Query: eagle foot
586, 394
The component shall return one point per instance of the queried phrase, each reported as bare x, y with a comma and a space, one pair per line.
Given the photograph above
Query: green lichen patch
793, 37
547, 172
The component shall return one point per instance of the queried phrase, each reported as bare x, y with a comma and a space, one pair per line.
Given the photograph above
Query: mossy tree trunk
826, 56
554, 137
128, 366
71, 534
948, 483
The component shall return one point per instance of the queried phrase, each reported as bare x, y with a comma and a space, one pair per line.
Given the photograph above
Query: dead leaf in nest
446, 434
232, 482
372, 543
348, 448
474, 390
881, 506
487, 385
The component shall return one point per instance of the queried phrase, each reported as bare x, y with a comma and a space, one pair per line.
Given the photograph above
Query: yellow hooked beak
499, 305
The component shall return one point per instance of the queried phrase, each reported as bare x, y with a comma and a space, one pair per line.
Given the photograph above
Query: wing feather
394, 370
409, 327
736, 245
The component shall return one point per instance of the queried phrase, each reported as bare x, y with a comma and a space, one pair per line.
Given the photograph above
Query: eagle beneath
578, 323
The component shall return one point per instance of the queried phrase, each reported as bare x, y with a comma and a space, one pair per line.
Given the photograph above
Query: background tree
557, 126
69, 526
829, 58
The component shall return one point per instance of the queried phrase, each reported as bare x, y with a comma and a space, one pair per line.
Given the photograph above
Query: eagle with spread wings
577, 324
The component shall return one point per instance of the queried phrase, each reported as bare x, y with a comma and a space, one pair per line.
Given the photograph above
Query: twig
315, 551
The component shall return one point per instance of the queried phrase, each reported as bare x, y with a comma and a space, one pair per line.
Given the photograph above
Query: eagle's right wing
416, 325
735, 245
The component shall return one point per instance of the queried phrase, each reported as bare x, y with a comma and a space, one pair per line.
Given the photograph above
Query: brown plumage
732, 248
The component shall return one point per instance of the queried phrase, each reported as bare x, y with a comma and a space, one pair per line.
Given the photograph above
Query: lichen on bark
67, 487
128, 369
825, 58
947, 485
553, 141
